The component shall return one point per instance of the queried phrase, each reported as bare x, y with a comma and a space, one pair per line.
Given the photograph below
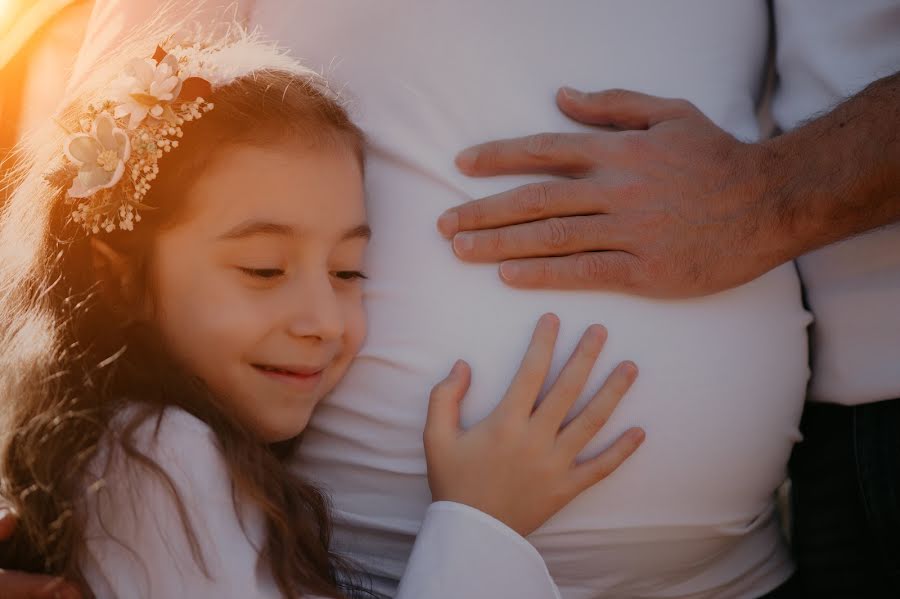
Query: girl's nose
317, 312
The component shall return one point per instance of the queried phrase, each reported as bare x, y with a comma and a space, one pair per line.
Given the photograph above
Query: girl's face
258, 287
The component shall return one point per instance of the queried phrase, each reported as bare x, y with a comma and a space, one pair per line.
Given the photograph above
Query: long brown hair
70, 358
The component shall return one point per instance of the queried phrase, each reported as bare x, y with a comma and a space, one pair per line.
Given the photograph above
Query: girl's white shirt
137, 546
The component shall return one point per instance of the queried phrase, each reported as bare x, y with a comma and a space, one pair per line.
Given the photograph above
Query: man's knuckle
534, 200
556, 233
488, 156
496, 240
545, 272
587, 267
541, 145
633, 273
473, 214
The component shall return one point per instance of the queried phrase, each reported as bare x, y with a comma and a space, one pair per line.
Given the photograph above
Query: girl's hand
518, 464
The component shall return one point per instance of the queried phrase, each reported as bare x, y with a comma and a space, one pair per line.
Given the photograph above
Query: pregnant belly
720, 392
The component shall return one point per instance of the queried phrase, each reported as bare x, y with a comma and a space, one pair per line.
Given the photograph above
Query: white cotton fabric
829, 50
137, 547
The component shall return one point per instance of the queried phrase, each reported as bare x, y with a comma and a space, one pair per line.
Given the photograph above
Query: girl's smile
300, 377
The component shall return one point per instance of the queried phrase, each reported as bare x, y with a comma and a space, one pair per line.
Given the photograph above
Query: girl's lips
301, 380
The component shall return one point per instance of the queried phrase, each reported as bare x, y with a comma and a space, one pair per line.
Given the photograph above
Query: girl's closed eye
262, 273
350, 275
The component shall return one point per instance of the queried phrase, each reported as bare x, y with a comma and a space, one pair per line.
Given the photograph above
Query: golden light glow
5, 11
10, 10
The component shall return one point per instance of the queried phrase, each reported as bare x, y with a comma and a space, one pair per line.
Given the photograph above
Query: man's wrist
836, 176
782, 225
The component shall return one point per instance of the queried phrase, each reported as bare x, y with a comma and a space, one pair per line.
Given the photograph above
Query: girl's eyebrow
251, 228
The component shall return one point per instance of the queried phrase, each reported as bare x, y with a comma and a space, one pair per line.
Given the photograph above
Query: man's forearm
838, 175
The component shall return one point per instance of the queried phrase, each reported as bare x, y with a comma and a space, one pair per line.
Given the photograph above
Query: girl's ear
117, 275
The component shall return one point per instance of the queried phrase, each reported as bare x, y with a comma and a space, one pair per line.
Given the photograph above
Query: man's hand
666, 203
17, 585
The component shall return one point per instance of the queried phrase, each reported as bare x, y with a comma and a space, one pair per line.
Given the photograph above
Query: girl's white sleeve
137, 546
462, 552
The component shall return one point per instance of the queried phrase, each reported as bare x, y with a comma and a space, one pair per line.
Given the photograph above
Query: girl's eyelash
262, 273
349, 275
271, 273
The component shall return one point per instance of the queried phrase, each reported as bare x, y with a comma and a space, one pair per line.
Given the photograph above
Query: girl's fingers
442, 422
570, 383
594, 416
598, 468
526, 385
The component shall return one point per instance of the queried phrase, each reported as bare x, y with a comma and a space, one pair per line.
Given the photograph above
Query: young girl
181, 285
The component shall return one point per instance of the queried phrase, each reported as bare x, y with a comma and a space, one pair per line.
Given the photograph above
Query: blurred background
39, 40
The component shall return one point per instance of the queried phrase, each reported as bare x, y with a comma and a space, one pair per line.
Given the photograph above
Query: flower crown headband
112, 157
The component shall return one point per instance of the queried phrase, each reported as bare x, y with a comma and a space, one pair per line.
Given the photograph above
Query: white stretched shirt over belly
722, 378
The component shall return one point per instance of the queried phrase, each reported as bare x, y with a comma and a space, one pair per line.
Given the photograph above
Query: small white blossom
99, 155
146, 88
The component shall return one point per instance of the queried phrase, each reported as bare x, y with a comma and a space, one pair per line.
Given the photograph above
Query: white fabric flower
99, 155
146, 88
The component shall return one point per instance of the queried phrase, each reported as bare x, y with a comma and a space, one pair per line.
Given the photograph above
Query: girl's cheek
357, 325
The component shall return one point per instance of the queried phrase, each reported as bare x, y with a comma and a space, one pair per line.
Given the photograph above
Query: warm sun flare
6, 9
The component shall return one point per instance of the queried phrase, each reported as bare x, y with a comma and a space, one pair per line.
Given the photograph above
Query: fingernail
509, 271
597, 331
4, 513
572, 94
466, 158
463, 242
629, 368
549, 319
637, 435
448, 224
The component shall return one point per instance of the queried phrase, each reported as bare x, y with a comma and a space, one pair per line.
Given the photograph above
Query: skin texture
664, 203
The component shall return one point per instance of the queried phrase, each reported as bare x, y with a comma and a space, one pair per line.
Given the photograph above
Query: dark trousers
789, 590
846, 501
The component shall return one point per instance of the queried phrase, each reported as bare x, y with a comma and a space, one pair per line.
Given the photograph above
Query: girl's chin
282, 430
